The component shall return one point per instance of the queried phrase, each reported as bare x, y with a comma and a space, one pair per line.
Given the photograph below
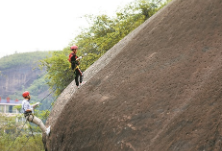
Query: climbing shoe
48, 131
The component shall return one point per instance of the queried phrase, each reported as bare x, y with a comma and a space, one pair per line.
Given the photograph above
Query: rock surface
159, 89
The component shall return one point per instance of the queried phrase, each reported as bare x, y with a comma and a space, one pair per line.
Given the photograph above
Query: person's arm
35, 105
79, 58
70, 56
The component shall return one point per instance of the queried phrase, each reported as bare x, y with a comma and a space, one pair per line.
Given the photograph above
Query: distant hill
19, 72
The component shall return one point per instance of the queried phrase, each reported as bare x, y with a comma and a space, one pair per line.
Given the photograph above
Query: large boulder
157, 89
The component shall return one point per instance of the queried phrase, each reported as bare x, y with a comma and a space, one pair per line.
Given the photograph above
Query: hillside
20, 72
158, 89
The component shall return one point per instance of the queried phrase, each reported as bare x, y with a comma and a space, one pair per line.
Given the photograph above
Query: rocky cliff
16, 78
159, 89
18, 71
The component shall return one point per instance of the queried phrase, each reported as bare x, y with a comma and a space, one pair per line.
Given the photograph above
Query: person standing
74, 60
28, 111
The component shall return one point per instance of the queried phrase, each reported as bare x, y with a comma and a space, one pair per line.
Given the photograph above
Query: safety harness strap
28, 114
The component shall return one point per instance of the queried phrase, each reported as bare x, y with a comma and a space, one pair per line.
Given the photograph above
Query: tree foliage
14, 135
58, 70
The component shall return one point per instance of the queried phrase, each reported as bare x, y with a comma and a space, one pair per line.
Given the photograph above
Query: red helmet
73, 47
25, 94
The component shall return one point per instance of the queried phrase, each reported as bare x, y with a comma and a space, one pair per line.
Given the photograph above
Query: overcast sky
30, 25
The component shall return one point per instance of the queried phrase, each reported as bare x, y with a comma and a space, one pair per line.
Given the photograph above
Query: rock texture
159, 89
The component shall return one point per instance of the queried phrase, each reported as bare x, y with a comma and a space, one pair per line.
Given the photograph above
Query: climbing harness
28, 115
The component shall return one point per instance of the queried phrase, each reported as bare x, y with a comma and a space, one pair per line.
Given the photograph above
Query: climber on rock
28, 111
74, 60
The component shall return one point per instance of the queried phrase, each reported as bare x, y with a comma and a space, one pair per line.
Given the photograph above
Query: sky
42, 25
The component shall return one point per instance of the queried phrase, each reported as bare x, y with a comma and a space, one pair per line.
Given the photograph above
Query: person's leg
81, 76
36, 121
77, 77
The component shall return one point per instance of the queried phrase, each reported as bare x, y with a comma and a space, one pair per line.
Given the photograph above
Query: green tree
14, 134
58, 70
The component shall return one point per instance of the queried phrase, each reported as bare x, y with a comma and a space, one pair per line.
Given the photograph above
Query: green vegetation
39, 86
58, 70
22, 59
14, 136
104, 32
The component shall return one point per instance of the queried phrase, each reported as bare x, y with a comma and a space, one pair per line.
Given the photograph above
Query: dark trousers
78, 73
